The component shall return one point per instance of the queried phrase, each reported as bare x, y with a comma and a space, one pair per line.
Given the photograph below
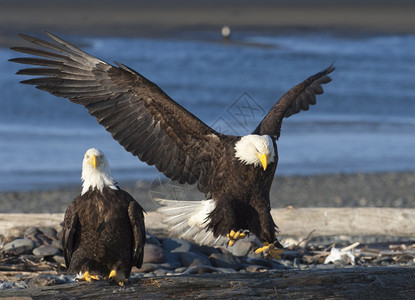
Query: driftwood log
353, 283
299, 222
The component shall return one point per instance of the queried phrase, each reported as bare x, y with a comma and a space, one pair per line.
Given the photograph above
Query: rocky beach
31, 261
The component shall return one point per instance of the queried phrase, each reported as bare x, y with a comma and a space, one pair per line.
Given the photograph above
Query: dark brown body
241, 194
103, 231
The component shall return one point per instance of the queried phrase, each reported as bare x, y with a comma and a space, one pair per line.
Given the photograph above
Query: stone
31, 230
192, 259
180, 269
19, 246
241, 248
160, 272
57, 244
46, 251
171, 259
146, 268
255, 268
153, 254
36, 238
175, 245
225, 260
59, 259
49, 232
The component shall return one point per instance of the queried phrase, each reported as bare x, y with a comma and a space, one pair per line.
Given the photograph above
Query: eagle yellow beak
93, 161
264, 160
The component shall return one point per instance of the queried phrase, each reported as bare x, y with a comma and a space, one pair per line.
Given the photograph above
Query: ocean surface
364, 122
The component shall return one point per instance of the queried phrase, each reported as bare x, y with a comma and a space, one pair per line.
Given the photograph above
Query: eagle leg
87, 277
270, 250
233, 236
113, 276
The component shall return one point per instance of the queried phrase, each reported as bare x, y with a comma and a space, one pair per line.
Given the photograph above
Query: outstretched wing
137, 113
295, 100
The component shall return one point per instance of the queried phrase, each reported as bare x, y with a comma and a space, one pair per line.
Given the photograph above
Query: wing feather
136, 112
295, 100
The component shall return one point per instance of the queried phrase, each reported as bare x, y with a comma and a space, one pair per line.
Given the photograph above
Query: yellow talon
239, 235
269, 249
233, 236
114, 276
87, 277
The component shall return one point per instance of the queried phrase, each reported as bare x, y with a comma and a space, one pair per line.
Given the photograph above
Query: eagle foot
87, 277
269, 250
233, 236
113, 276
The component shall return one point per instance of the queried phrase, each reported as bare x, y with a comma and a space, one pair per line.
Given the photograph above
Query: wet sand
333, 190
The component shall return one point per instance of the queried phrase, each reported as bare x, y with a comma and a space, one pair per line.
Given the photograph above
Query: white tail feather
187, 220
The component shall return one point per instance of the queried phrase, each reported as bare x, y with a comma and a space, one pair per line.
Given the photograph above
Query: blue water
365, 121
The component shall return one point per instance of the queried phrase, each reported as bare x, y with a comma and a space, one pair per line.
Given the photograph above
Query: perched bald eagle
235, 171
103, 228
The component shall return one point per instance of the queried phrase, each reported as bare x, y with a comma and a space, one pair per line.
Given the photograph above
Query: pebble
256, 268
242, 248
59, 259
171, 260
19, 246
146, 268
30, 230
39, 238
46, 251
192, 259
153, 254
49, 232
160, 272
225, 260
57, 244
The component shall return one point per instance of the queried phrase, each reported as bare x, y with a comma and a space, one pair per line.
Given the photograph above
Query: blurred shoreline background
364, 123
151, 18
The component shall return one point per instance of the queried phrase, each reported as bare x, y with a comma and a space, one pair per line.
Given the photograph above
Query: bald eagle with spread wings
235, 171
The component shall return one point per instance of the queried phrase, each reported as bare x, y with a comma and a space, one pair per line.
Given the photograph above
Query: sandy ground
169, 18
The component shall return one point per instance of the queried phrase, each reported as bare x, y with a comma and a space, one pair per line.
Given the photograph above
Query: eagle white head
255, 149
96, 173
